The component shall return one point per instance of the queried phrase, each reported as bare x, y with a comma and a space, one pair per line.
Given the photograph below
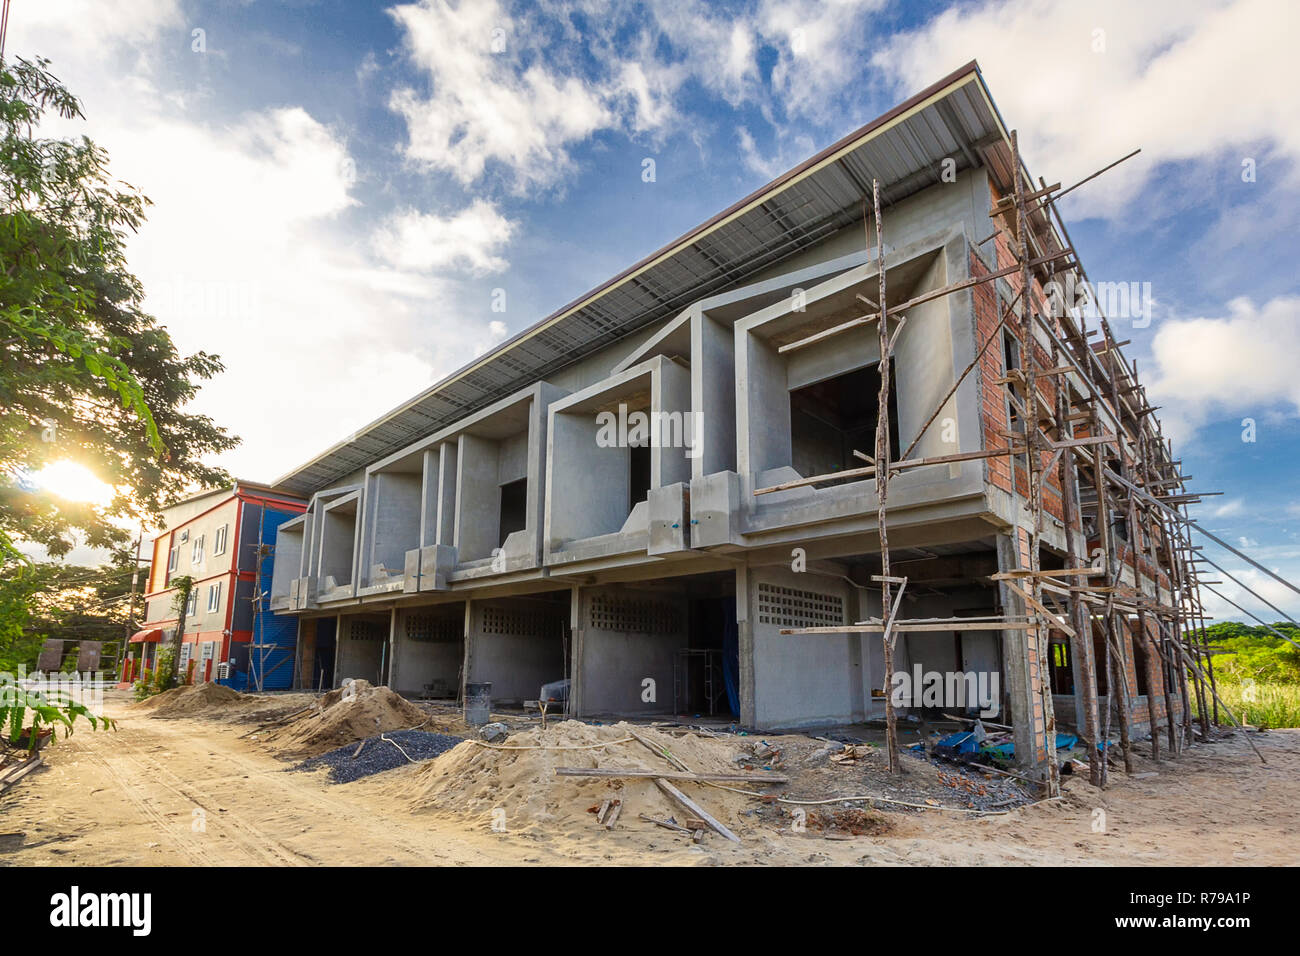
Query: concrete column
392, 647
745, 639
338, 642
469, 646
446, 506
429, 496
576, 631
1015, 659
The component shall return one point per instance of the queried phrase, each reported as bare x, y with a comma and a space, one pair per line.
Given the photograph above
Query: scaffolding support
1079, 415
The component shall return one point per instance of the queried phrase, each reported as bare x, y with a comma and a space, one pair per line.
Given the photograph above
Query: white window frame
219, 540
192, 605
214, 597
173, 558
196, 555
207, 650
186, 650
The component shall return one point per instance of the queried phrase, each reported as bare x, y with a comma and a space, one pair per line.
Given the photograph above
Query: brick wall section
994, 419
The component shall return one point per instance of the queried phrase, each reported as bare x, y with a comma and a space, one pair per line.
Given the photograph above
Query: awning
152, 636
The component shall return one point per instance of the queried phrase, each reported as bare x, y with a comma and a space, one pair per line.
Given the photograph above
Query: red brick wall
994, 419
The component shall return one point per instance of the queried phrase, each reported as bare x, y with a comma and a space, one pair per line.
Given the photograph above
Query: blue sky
340, 187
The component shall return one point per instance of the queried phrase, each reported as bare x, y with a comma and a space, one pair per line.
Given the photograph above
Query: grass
1261, 703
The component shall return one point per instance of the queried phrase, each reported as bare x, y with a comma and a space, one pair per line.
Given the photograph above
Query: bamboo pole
1029, 363
882, 487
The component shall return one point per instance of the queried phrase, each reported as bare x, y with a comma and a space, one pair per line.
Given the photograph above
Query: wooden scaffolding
1081, 414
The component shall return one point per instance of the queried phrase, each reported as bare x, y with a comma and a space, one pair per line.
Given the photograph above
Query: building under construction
849, 427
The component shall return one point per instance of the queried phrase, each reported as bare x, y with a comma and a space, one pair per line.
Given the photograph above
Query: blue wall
259, 524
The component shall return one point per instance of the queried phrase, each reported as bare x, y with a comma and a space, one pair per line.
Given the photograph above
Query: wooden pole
882, 487
1079, 614
1034, 461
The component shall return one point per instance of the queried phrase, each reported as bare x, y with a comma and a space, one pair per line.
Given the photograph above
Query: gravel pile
380, 754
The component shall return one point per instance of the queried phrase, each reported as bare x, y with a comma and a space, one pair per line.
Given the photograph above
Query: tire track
165, 828
252, 840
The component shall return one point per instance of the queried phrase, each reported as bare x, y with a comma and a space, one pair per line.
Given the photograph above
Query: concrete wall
393, 508
360, 658
478, 497
428, 648
338, 543
713, 375
629, 635
589, 484
288, 558
517, 644
805, 679
588, 460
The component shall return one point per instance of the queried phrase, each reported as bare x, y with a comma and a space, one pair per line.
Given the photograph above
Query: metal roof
904, 149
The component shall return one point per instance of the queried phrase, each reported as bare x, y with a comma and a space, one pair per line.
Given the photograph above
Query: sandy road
168, 792
193, 792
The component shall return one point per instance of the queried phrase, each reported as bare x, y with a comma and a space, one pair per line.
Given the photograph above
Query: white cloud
1243, 362
1183, 80
1229, 508
251, 247
1267, 588
772, 163
819, 46
483, 106
505, 96
425, 242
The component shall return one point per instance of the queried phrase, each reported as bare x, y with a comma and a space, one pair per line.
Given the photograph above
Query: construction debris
381, 752
344, 717
191, 700
12, 773
847, 756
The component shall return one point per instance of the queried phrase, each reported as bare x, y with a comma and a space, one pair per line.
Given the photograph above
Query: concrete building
223, 540
581, 501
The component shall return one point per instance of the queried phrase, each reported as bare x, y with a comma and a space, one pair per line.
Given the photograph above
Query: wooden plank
957, 624
659, 752
663, 823
640, 774
827, 333
1058, 573
1008, 203
690, 806
17, 773
960, 456
918, 300
1057, 623
1085, 442
816, 479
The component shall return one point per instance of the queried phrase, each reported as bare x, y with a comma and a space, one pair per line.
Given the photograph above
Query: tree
85, 373
1255, 651
183, 586
52, 599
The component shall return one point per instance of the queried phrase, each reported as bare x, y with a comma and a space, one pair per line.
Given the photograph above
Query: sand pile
192, 700
473, 780
346, 715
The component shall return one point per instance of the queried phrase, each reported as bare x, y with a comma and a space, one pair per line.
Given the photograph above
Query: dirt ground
193, 790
